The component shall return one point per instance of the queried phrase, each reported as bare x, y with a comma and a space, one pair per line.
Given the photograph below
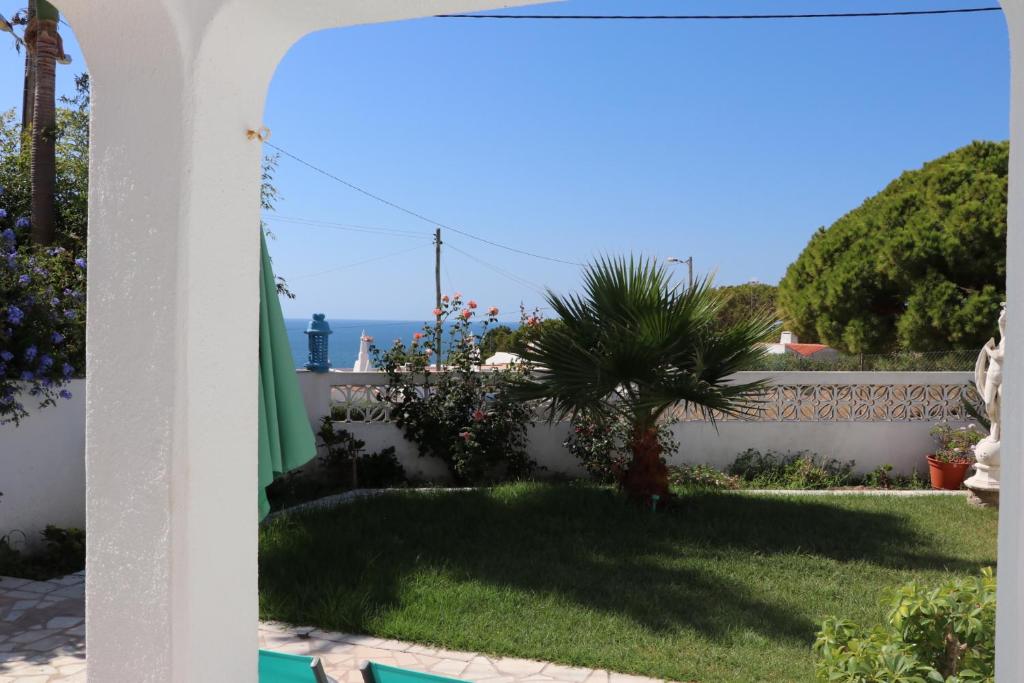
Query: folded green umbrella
286, 439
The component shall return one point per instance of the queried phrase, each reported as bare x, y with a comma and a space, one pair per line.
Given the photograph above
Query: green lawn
722, 587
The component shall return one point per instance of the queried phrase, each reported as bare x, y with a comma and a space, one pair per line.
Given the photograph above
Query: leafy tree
741, 301
72, 149
633, 346
504, 338
920, 266
269, 196
498, 338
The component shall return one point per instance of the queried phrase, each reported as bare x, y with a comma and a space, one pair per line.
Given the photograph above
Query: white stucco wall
42, 472
870, 444
172, 586
42, 468
902, 444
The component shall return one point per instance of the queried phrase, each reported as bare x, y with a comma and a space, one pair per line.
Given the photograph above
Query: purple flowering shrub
42, 316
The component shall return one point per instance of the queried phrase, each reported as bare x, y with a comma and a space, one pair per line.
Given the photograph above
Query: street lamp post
689, 265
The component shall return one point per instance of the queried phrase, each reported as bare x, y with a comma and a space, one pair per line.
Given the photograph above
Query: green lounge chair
279, 667
382, 673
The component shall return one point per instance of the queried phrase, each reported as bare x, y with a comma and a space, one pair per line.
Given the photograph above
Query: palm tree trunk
44, 47
647, 475
28, 93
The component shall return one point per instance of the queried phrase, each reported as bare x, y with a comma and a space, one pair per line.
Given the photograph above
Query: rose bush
42, 315
452, 410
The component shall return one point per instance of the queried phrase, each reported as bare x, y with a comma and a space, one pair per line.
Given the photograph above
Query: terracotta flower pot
947, 475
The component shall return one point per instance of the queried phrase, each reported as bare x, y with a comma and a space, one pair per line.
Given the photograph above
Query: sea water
343, 344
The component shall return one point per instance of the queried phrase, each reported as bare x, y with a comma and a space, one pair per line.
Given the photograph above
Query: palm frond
634, 340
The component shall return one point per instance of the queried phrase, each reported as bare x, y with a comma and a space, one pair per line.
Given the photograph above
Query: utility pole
437, 294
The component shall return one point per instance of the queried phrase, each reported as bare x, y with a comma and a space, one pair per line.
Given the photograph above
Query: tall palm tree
633, 346
45, 47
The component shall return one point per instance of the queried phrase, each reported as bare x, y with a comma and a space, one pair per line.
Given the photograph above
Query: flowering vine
42, 313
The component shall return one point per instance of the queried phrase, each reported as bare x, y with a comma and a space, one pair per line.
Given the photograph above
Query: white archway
172, 330
173, 310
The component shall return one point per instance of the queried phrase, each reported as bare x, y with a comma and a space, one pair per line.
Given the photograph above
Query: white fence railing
872, 418
791, 397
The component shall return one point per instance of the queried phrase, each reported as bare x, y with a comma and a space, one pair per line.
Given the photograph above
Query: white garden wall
872, 418
42, 468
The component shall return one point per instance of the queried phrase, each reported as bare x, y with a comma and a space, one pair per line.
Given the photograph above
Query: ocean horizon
343, 344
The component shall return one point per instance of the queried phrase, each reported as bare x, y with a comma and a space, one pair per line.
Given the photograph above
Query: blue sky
728, 141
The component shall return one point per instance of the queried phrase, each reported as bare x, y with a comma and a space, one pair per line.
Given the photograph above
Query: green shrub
954, 444
603, 445
940, 635
466, 418
882, 478
63, 552
801, 470
701, 477
335, 472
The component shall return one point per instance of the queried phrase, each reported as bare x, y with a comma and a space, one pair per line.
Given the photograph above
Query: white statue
988, 378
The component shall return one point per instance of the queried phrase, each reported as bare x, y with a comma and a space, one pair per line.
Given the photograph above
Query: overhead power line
356, 263
521, 281
725, 17
349, 227
414, 214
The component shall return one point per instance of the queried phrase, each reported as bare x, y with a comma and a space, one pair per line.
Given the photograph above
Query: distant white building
502, 359
788, 343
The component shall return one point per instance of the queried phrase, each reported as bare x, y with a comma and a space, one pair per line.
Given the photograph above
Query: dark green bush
931, 635
466, 418
343, 465
603, 446
63, 552
800, 470
701, 477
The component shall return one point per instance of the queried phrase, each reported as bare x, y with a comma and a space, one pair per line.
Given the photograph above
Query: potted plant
954, 453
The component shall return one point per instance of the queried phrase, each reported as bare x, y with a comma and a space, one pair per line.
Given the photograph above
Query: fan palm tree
635, 345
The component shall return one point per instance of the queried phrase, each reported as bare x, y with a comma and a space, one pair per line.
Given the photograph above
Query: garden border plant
453, 410
944, 634
42, 310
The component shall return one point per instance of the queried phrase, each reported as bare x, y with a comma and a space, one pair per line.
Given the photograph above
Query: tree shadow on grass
338, 568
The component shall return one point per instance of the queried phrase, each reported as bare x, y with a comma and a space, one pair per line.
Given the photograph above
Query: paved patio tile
42, 640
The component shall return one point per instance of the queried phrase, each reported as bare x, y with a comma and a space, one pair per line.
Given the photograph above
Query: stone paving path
42, 640
42, 629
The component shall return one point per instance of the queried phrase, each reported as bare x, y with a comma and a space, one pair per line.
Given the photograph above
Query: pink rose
467, 314
444, 298
457, 295
471, 304
492, 311
466, 436
417, 336
479, 415
437, 312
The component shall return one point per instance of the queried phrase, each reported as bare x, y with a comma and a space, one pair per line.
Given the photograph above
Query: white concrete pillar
171, 593
1010, 598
